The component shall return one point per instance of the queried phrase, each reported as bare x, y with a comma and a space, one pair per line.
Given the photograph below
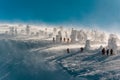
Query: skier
68, 51
107, 51
111, 51
103, 51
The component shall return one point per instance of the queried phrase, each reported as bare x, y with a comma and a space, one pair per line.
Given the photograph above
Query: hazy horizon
102, 14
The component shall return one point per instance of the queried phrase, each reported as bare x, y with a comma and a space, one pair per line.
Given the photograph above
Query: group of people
62, 39
81, 50
104, 51
107, 51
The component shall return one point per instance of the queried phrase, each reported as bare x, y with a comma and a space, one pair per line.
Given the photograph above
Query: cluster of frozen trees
12, 31
112, 43
83, 35
79, 35
26, 30
61, 34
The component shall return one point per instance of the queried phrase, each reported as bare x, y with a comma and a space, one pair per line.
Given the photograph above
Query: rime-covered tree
87, 45
112, 42
12, 31
73, 35
16, 32
27, 29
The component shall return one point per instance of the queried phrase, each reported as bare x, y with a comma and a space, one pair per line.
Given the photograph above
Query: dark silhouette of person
103, 51
64, 39
53, 39
107, 51
68, 51
68, 40
111, 51
81, 49
60, 39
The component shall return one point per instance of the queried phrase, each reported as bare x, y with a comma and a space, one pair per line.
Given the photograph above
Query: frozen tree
22, 31
54, 31
37, 34
102, 37
101, 47
50, 35
59, 33
59, 36
95, 35
27, 29
12, 31
89, 34
66, 34
41, 32
87, 45
112, 42
92, 35
78, 35
81, 36
32, 33
6, 32
46, 31
73, 35
16, 32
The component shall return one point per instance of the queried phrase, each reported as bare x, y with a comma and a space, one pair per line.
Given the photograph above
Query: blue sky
85, 12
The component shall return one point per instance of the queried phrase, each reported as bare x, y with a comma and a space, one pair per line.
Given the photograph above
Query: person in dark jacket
53, 39
107, 51
60, 39
64, 39
68, 40
81, 49
111, 51
103, 51
68, 51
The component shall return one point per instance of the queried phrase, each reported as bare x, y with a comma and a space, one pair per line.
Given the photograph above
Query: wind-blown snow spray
112, 43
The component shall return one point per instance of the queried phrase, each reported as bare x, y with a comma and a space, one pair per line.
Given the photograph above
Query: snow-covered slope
31, 57
93, 66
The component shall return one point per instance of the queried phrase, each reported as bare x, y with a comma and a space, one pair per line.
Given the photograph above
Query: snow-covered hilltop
82, 53
72, 34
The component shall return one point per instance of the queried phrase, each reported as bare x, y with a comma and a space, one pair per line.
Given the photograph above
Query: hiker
68, 40
68, 51
60, 39
107, 51
81, 49
64, 39
111, 51
53, 39
103, 51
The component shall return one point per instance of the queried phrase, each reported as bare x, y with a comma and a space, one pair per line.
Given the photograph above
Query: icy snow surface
39, 58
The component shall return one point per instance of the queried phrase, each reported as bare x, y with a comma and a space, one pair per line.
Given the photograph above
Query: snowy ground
24, 57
